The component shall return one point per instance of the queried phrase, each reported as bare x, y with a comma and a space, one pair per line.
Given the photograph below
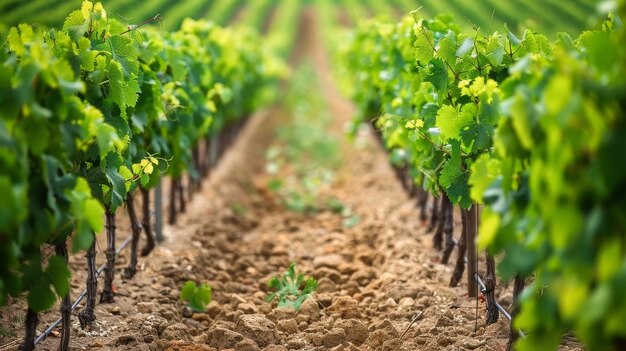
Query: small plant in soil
197, 297
292, 289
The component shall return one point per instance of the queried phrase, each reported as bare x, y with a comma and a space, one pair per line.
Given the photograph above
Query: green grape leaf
465, 47
59, 274
40, 296
76, 25
451, 122
87, 56
118, 186
483, 173
424, 46
438, 76
447, 48
479, 136
125, 53
123, 93
453, 179
512, 38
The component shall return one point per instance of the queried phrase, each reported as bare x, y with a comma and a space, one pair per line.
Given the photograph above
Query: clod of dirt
247, 345
363, 276
380, 333
213, 309
288, 326
389, 304
334, 337
248, 308
257, 327
329, 273
283, 313
221, 338
356, 332
310, 309
125, 340
176, 331
330, 261
275, 348
296, 343
146, 307
392, 345
345, 306
325, 285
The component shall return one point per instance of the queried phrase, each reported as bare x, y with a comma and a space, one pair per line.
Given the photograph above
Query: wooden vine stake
490, 289
86, 317
28, 344
130, 271
66, 303
181, 195
472, 255
459, 268
109, 272
448, 228
422, 203
443, 208
146, 223
518, 287
434, 215
172, 206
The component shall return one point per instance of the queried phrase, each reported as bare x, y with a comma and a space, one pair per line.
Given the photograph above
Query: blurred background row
548, 16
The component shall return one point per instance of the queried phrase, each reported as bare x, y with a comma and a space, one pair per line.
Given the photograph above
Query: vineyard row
530, 130
97, 111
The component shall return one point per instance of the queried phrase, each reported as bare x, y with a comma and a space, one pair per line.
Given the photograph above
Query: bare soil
373, 278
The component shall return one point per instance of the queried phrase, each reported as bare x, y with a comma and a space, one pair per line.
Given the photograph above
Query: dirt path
373, 278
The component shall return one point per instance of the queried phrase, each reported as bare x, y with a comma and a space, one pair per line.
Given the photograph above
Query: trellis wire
47, 332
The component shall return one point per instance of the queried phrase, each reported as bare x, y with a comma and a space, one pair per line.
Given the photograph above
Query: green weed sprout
292, 289
197, 297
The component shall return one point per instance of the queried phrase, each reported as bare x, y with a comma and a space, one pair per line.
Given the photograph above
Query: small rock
201, 317
248, 308
406, 301
334, 337
235, 300
288, 326
115, 310
389, 304
187, 312
257, 327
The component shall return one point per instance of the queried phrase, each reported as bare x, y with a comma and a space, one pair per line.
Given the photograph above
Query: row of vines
95, 112
527, 128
